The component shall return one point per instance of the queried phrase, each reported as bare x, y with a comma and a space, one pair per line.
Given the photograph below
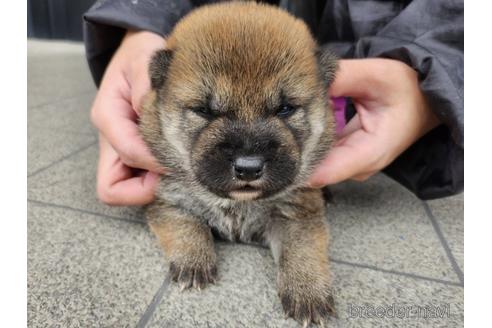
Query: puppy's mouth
245, 193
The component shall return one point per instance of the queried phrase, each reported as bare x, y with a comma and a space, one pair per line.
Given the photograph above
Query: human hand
392, 114
115, 112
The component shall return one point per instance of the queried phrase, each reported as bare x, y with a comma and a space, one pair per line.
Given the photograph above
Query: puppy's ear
328, 64
158, 67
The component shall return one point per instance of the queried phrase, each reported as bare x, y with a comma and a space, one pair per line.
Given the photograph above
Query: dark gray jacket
427, 35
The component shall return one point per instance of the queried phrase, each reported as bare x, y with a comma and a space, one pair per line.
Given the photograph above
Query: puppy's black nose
249, 168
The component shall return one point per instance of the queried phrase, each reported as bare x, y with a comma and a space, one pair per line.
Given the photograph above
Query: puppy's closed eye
286, 110
205, 112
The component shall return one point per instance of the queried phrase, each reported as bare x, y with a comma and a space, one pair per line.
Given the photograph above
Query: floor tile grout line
85, 211
389, 271
444, 242
399, 273
92, 143
156, 300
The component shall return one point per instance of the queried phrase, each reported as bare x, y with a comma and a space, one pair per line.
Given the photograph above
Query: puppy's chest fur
246, 222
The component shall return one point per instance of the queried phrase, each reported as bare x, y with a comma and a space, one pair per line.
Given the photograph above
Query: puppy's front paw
196, 275
306, 298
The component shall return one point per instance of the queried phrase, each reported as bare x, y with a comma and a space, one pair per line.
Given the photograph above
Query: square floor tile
367, 298
55, 131
449, 213
45, 147
380, 223
56, 71
67, 116
72, 183
88, 271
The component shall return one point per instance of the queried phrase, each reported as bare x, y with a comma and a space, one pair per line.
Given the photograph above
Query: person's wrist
142, 38
143, 43
137, 47
431, 119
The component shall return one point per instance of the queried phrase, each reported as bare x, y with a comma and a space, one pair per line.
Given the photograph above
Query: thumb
343, 161
140, 87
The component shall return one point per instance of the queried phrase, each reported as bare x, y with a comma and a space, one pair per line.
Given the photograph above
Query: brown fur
218, 91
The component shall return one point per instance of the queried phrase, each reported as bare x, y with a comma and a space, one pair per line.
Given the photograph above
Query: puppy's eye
286, 110
204, 112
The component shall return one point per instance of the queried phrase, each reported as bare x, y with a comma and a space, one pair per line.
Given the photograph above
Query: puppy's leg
299, 242
187, 242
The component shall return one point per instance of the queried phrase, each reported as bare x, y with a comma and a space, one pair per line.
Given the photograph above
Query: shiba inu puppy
238, 113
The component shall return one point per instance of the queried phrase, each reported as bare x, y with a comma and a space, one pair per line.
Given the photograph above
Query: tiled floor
90, 265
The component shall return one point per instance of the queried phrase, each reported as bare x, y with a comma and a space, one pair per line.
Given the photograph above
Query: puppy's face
241, 101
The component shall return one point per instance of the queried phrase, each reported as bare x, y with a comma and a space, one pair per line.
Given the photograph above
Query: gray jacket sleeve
107, 20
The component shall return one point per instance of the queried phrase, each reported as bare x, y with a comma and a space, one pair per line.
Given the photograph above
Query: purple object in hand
339, 104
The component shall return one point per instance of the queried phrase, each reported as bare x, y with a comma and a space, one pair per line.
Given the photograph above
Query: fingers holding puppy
125, 163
